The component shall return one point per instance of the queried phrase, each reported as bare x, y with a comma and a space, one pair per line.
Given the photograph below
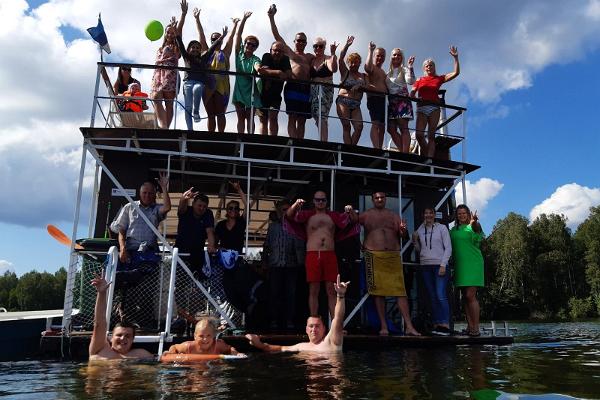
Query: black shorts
270, 99
297, 99
376, 107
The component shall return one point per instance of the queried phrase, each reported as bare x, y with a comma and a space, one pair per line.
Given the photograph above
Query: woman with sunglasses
466, 235
216, 91
164, 81
321, 71
350, 94
248, 63
400, 109
231, 232
124, 79
195, 79
428, 115
432, 244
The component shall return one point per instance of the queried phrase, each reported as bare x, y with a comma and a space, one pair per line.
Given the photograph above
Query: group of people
308, 90
317, 230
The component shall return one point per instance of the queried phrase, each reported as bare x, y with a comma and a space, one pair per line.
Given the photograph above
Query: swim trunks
321, 265
427, 109
349, 102
384, 272
376, 106
297, 99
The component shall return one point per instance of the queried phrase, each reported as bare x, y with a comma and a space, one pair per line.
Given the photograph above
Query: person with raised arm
245, 93
164, 81
121, 341
216, 91
318, 339
350, 94
295, 94
135, 236
382, 244
275, 67
428, 114
466, 236
400, 109
320, 228
322, 69
230, 232
376, 101
195, 79
195, 225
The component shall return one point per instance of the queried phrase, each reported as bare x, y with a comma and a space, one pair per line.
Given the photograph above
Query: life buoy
194, 358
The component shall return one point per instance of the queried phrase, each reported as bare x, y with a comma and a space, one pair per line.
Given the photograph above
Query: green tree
587, 241
8, 282
552, 277
39, 291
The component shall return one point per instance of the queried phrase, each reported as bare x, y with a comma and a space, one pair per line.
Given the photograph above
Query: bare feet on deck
384, 332
412, 332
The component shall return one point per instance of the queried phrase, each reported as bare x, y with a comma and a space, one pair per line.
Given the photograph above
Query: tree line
541, 269
533, 270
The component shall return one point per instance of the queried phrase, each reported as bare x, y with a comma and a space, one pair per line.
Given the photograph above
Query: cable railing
113, 117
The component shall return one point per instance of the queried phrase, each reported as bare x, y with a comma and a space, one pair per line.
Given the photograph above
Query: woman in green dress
466, 236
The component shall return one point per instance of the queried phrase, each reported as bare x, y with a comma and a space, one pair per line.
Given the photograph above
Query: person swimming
205, 341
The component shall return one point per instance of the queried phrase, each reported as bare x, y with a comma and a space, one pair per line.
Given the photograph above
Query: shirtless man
376, 103
296, 95
120, 344
383, 230
321, 261
315, 329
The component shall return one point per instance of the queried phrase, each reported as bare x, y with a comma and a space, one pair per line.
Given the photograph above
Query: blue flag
97, 33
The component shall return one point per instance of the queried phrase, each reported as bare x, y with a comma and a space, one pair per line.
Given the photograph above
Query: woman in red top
428, 115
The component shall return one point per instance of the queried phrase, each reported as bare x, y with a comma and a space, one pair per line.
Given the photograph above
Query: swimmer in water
119, 346
319, 340
205, 341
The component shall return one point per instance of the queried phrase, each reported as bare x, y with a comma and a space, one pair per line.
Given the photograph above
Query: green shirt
242, 91
468, 260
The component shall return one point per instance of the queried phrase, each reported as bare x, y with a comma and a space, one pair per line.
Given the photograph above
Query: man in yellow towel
383, 230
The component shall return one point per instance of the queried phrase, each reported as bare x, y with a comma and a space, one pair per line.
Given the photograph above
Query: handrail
255, 75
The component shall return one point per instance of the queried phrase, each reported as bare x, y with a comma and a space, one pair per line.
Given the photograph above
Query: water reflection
565, 359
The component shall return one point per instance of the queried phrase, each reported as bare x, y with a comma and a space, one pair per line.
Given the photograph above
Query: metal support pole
68, 303
161, 282
356, 308
464, 141
110, 275
319, 116
251, 122
171, 298
247, 211
96, 88
400, 195
464, 188
385, 121
178, 82
94, 203
332, 189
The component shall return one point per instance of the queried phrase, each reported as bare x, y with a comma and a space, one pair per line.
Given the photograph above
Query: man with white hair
135, 104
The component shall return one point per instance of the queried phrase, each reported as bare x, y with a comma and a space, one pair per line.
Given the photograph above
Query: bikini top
349, 82
321, 72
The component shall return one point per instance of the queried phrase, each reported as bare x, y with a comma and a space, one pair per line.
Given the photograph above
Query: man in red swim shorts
321, 229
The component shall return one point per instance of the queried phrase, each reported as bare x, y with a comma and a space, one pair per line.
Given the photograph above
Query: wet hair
460, 206
391, 69
191, 43
253, 38
353, 57
207, 322
201, 197
125, 324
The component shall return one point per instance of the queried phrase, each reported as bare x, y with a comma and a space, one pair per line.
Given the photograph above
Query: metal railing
449, 113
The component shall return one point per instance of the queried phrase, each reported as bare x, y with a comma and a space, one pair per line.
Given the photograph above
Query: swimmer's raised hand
100, 283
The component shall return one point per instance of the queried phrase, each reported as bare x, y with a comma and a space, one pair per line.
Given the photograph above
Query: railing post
386, 121
96, 88
94, 205
251, 127
111, 274
319, 113
171, 297
178, 82
464, 141
247, 211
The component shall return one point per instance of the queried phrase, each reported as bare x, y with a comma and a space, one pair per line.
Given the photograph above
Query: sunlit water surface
548, 361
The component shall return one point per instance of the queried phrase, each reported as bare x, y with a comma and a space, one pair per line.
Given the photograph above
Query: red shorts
321, 265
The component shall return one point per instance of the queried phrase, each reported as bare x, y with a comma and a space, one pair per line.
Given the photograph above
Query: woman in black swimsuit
322, 69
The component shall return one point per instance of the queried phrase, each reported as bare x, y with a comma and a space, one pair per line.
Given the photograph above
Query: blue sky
529, 81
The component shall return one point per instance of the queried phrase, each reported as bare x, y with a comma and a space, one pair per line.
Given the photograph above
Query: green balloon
154, 30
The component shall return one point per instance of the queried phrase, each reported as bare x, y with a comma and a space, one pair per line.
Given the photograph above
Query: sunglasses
233, 209
320, 200
379, 197
301, 40
252, 44
318, 46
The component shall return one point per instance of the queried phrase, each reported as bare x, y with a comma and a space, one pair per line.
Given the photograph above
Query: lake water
548, 361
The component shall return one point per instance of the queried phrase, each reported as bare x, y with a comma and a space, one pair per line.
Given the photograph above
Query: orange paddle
61, 237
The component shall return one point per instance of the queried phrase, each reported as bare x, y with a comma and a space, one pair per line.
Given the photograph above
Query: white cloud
48, 80
6, 266
479, 193
571, 200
